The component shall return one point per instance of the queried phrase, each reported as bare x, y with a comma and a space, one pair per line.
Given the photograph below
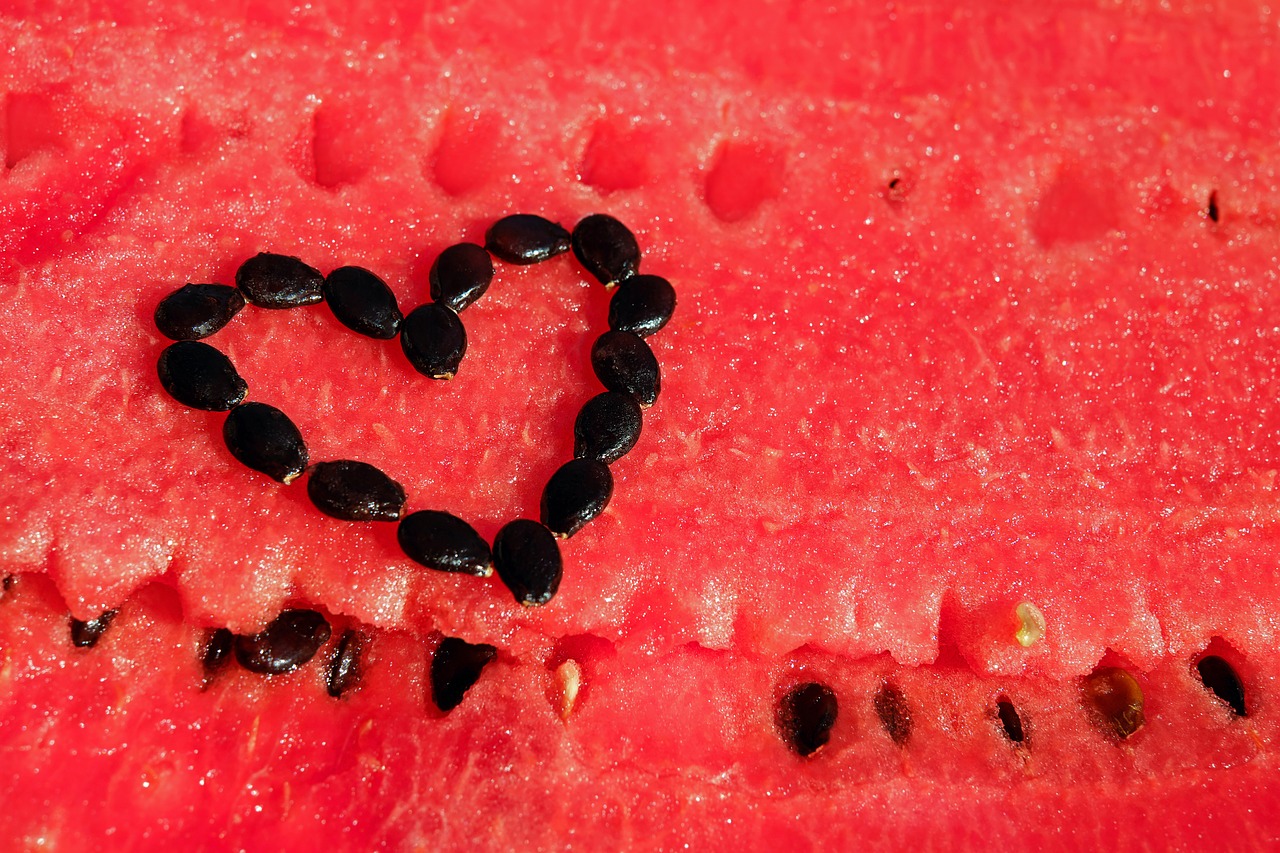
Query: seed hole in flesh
573, 663
894, 713
616, 158
1221, 678
467, 155
1115, 699
85, 635
743, 176
805, 716
899, 186
1212, 211
1010, 721
31, 124
339, 152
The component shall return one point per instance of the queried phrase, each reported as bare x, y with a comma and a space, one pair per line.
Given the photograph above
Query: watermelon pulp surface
955, 333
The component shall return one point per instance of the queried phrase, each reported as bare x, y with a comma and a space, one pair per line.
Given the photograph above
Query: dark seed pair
291, 640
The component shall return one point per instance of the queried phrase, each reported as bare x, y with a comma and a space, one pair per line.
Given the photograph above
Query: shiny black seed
362, 302
263, 438
806, 715
1222, 678
85, 635
216, 654
1213, 206
1010, 721
461, 275
576, 493
355, 491
642, 304
1115, 698
608, 426
623, 362
606, 248
894, 713
455, 668
292, 639
279, 281
445, 543
199, 376
196, 311
524, 238
528, 561
344, 669
434, 340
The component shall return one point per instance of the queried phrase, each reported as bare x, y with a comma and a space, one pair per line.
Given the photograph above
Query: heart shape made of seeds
433, 338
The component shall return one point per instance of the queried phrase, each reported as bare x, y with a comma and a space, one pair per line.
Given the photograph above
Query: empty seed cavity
263, 438
455, 668
197, 375
279, 281
1221, 678
85, 635
355, 491
805, 716
894, 713
1115, 699
196, 311
288, 642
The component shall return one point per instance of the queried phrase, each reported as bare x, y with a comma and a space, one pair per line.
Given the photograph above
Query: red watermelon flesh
955, 332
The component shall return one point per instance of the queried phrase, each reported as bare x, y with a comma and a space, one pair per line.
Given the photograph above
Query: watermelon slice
969, 414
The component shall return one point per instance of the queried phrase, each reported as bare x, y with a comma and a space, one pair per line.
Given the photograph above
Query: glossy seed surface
445, 543
199, 376
292, 639
279, 281
85, 635
1010, 721
623, 362
524, 238
362, 302
894, 713
263, 438
217, 651
606, 248
455, 668
344, 669
1115, 698
196, 311
577, 492
354, 491
1221, 678
642, 304
527, 559
607, 427
806, 715
434, 340
460, 275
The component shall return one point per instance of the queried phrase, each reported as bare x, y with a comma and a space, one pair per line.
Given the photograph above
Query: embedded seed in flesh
527, 559
1010, 721
269, 280
455, 668
199, 376
85, 635
1115, 698
894, 713
606, 248
524, 238
434, 340
444, 542
292, 639
642, 304
362, 302
1221, 678
355, 491
577, 492
344, 669
196, 311
806, 715
607, 427
460, 275
623, 362
263, 438
217, 653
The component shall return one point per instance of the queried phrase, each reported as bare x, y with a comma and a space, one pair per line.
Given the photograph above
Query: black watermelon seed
199, 376
1115, 698
461, 275
806, 715
279, 281
576, 493
354, 491
1010, 721
528, 561
344, 669
606, 248
524, 238
217, 650
434, 340
608, 426
1222, 678
623, 362
1213, 206
362, 302
263, 438
642, 304
455, 667
445, 543
196, 311
85, 635
9, 582
292, 639
894, 713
